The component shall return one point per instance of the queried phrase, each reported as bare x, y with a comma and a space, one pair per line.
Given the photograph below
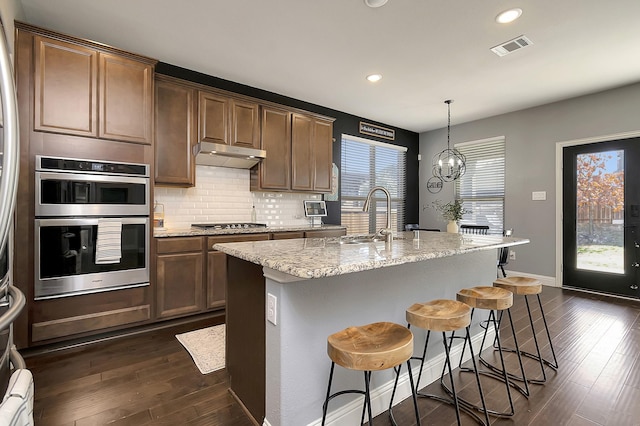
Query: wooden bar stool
444, 315
367, 348
494, 299
528, 287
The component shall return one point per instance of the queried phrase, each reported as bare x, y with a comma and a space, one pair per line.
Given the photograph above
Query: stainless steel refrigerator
16, 382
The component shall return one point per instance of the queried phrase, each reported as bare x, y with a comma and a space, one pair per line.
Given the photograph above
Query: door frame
560, 193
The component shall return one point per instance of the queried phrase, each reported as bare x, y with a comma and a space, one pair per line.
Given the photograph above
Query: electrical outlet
272, 308
512, 255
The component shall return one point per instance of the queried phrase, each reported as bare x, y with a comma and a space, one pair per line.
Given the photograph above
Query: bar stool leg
497, 372
413, 393
367, 398
538, 355
326, 401
457, 402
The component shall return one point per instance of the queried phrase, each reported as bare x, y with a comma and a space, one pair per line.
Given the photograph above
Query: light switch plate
539, 195
272, 309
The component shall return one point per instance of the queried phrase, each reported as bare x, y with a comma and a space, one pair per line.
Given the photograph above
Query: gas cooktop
233, 225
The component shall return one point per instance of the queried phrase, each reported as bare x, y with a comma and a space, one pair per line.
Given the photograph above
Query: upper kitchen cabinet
176, 132
88, 89
228, 120
299, 152
274, 172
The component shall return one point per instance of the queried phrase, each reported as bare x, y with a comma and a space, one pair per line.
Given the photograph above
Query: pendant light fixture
449, 164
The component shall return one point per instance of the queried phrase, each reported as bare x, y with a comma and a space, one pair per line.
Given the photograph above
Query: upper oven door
73, 194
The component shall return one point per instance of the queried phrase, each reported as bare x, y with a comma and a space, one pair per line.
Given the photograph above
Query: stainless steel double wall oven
72, 197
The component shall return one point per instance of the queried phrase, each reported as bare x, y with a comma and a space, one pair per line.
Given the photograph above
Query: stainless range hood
216, 154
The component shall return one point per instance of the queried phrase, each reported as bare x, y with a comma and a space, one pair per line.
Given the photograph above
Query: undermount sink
365, 239
361, 239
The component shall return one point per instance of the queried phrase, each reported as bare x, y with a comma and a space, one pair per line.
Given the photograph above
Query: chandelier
449, 164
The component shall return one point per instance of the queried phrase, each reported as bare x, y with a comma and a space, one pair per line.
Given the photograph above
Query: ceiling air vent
511, 45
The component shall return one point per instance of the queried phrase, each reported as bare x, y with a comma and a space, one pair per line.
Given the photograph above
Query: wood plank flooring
150, 379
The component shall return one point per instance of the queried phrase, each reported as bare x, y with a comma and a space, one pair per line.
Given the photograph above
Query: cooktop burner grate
232, 225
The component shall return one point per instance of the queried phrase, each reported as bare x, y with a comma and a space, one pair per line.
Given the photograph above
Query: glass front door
601, 217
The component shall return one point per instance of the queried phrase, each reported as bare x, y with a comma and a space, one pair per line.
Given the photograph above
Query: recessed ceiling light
374, 77
375, 3
508, 16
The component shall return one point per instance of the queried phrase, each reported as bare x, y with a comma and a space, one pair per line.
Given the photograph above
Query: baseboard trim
380, 396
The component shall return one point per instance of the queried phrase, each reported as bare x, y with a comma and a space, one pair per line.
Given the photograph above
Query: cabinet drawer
211, 241
179, 244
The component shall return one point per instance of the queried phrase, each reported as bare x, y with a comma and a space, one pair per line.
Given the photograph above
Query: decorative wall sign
434, 185
379, 131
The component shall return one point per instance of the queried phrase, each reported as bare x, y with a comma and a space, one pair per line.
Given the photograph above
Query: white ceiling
427, 50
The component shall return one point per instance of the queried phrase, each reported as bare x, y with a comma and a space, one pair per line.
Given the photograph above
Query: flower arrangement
451, 211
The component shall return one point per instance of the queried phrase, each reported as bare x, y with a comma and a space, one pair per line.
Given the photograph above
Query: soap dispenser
253, 214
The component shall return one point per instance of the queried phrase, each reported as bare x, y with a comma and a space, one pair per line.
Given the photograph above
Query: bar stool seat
367, 348
526, 287
495, 299
443, 315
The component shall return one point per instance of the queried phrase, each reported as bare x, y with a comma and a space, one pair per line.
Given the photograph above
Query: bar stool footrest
496, 373
467, 407
532, 356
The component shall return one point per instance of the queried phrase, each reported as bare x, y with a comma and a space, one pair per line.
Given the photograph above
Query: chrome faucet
387, 232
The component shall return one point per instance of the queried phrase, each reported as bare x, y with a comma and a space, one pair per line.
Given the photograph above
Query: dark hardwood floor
149, 379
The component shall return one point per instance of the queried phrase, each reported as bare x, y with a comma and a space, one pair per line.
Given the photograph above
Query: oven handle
133, 220
86, 177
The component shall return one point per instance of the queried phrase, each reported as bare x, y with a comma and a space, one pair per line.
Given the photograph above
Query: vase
452, 227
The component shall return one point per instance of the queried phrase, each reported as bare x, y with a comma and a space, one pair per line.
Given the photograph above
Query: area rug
206, 347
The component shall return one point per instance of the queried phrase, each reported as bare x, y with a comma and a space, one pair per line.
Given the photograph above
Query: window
481, 188
365, 164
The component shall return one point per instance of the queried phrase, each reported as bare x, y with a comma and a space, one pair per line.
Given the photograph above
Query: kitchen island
279, 367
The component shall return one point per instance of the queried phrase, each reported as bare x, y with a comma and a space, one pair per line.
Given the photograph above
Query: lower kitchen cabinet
179, 276
217, 267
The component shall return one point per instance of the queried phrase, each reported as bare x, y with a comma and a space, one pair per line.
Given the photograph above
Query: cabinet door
175, 134
301, 153
179, 284
66, 81
245, 126
276, 140
216, 279
213, 118
322, 154
126, 99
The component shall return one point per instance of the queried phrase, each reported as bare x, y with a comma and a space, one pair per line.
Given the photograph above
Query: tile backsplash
222, 195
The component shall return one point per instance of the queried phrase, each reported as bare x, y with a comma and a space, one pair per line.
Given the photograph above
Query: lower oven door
65, 257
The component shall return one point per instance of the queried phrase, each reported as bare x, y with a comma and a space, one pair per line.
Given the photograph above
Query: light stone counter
325, 257
278, 367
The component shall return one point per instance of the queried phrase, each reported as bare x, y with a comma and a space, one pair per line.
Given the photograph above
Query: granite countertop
324, 257
195, 232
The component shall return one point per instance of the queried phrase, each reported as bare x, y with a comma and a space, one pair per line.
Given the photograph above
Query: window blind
482, 187
364, 164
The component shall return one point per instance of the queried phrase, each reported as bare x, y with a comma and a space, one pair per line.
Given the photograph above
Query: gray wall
531, 136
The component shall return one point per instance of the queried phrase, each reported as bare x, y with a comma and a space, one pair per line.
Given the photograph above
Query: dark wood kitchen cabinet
82, 90
311, 153
217, 267
299, 152
176, 132
179, 276
227, 120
